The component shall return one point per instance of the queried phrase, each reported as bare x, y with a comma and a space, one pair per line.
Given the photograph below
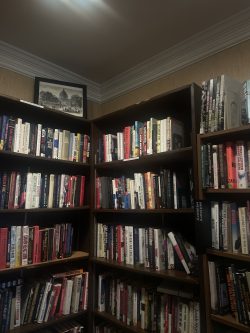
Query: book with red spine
12, 190
127, 137
231, 167
179, 252
57, 288
82, 191
3, 247
36, 245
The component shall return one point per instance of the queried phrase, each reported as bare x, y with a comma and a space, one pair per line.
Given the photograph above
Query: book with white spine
25, 245
28, 200
55, 143
17, 135
38, 139
68, 296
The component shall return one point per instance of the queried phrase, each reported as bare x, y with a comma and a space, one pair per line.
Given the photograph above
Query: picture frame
70, 98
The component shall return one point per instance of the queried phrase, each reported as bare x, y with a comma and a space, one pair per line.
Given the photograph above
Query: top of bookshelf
48, 117
175, 102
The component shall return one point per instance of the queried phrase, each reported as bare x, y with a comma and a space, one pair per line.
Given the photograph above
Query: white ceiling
100, 39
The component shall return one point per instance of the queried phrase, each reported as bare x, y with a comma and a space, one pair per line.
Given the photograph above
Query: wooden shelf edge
35, 327
229, 255
43, 210
116, 322
223, 133
227, 191
145, 211
76, 255
169, 274
44, 110
230, 321
45, 159
176, 153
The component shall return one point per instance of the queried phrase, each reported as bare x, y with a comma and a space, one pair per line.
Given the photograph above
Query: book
180, 254
231, 91
246, 102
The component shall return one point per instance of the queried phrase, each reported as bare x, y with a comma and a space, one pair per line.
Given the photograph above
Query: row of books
224, 104
152, 248
226, 165
145, 308
149, 190
142, 138
43, 299
178, 315
40, 190
19, 136
229, 223
230, 291
23, 245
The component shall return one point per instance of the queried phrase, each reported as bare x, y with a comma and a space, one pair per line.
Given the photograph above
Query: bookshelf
222, 216
71, 213
111, 165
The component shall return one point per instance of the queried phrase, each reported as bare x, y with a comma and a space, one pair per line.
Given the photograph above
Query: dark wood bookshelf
35, 327
229, 255
76, 256
237, 195
228, 320
119, 324
182, 104
168, 274
145, 211
79, 217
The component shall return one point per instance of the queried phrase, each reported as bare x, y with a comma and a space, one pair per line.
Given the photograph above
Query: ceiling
100, 39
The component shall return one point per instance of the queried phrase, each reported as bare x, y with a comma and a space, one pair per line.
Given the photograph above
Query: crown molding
227, 33
29, 65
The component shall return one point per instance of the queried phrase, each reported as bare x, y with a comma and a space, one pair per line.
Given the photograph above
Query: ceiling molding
225, 34
27, 64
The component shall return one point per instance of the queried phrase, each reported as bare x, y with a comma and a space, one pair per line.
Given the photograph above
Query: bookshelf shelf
229, 255
165, 158
145, 211
76, 256
230, 321
228, 191
15, 104
168, 275
43, 210
231, 134
111, 319
17, 157
35, 327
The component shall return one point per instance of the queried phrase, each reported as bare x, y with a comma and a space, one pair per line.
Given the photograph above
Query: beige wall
22, 87
234, 61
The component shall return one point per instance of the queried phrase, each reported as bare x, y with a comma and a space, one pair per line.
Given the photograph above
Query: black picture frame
57, 95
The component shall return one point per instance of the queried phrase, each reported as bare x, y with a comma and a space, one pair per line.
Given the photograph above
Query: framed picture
62, 96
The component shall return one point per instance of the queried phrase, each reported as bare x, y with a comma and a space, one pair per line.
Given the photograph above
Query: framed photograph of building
67, 97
